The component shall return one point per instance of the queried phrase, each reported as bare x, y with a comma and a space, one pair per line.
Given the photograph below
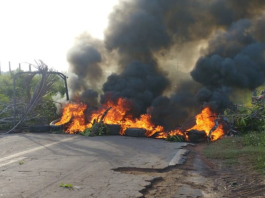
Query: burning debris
129, 70
119, 114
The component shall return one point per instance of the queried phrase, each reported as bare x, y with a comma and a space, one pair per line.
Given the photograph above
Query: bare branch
39, 92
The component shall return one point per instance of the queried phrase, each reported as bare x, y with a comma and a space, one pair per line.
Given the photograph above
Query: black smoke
142, 31
172, 112
89, 97
136, 29
216, 99
84, 59
139, 82
234, 59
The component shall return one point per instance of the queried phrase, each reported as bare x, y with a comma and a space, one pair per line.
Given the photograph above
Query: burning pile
161, 60
74, 115
205, 121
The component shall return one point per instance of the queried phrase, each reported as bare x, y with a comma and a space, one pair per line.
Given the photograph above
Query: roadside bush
245, 119
254, 139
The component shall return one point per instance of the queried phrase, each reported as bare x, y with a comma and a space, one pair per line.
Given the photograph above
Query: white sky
45, 29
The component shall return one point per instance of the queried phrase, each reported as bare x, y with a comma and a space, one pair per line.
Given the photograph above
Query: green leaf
66, 185
86, 132
243, 122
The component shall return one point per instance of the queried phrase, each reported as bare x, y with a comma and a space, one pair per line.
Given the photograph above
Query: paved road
34, 165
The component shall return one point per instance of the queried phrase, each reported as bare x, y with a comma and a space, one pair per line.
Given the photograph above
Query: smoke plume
234, 58
149, 44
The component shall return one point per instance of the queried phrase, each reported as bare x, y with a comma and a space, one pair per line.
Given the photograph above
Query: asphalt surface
34, 165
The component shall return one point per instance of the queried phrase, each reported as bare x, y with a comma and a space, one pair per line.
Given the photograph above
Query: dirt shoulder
202, 177
236, 171
191, 179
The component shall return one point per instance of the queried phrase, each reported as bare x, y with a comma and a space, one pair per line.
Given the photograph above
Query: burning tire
197, 136
39, 128
114, 129
54, 127
135, 132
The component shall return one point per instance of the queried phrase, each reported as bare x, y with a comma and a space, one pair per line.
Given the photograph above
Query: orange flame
120, 113
205, 122
75, 114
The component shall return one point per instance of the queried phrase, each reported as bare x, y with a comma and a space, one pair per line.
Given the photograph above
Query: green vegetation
86, 132
255, 139
69, 186
247, 119
21, 162
248, 149
99, 129
175, 138
44, 112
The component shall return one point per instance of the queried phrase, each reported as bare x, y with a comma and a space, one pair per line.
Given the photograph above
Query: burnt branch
97, 124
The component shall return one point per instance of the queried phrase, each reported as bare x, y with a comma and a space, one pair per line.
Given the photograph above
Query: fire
164, 135
121, 113
75, 114
205, 122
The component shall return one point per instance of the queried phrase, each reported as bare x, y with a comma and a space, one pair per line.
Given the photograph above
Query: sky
46, 29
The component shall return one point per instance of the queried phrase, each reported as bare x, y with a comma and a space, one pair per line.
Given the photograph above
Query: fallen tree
33, 104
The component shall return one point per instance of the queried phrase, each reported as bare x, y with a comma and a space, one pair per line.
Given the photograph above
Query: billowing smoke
216, 99
140, 82
136, 29
234, 58
144, 41
174, 111
84, 59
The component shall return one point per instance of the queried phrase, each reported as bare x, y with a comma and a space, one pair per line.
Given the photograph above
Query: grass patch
69, 186
247, 150
255, 139
230, 162
21, 162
